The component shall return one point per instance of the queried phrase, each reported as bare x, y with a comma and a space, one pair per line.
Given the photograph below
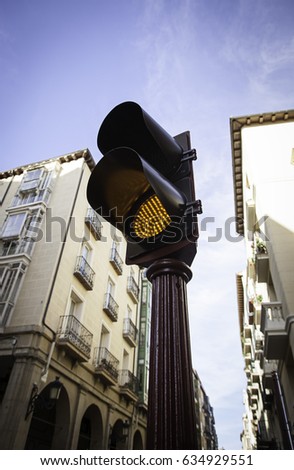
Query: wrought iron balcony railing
128, 381
110, 307
133, 289
130, 332
84, 273
93, 223
116, 260
106, 364
72, 332
273, 326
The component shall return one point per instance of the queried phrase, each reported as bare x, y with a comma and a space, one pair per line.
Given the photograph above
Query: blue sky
191, 64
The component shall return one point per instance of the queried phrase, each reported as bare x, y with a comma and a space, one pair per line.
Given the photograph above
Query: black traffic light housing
144, 186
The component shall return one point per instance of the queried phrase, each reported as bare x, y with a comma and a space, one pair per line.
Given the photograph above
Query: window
144, 295
20, 231
126, 360
75, 305
115, 258
11, 277
71, 321
110, 287
129, 312
104, 338
35, 187
85, 252
13, 225
72, 307
31, 180
142, 335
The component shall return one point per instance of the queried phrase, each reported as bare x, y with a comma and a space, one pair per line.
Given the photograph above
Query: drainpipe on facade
44, 373
282, 413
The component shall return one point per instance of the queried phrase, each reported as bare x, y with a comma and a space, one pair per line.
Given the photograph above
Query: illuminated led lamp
151, 219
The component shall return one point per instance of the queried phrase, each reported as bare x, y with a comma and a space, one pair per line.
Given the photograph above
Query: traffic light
144, 186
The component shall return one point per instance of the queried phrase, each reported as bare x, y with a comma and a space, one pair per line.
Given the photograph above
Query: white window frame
16, 228
10, 288
78, 300
110, 288
104, 337
30, 181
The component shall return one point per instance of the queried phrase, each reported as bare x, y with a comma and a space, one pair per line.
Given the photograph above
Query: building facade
263, 172
69, 315
206, 431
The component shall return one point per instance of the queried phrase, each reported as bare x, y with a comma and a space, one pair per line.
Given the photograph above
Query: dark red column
171, 404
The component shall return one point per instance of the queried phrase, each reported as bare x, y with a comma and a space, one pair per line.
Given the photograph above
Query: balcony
130, 332
129, 385
268, 368
247, 346
248, 359
106, 366
74, 337
247, 331
133, 289
258, 345
262, 266
19, 246
268, 400
254, 388
110, 307
273, 326
31, 196
84, 273
93, 223
116, 261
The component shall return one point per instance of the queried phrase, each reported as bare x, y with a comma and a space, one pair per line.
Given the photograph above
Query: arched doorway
117, 439
91, 430
50, 422
137, 441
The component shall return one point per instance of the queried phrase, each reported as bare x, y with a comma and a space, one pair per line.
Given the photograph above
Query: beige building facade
263, 171
69, 310
206, 431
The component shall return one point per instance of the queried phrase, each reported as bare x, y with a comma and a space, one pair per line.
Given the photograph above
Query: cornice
85, 153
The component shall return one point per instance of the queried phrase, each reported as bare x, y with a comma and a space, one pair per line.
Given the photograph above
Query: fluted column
171, 404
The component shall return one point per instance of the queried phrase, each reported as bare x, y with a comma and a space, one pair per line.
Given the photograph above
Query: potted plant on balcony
260, 247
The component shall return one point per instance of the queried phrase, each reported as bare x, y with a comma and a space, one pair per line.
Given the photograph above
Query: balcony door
85, 257
72, 321
104, 338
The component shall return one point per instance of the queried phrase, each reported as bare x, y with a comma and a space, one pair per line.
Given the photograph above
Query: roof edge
84, 153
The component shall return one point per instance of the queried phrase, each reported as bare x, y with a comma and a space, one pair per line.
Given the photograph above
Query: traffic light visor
134, 197
129, 125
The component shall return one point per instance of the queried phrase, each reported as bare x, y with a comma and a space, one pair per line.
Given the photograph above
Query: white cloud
261, 51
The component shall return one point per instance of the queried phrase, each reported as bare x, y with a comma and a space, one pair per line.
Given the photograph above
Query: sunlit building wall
205, 422
263, 171
69, 309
